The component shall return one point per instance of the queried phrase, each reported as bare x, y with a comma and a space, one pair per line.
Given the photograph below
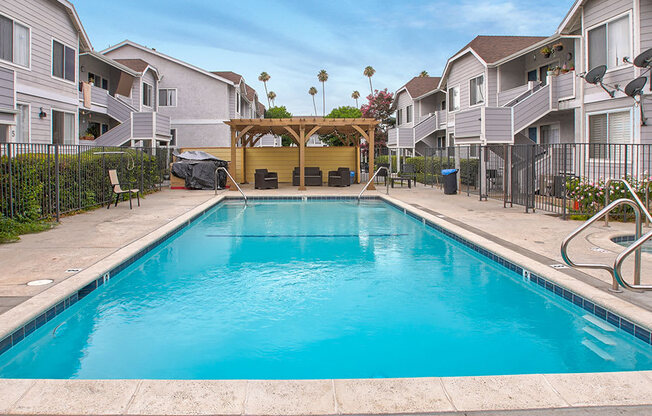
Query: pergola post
244, 160
372, 166
357, 160
302, 158
234, 139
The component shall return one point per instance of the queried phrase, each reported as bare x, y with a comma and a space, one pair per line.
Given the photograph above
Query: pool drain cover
559, 266
73, 270
41, 282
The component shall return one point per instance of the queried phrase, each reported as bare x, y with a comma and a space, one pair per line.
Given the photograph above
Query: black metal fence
46, 180
566, 178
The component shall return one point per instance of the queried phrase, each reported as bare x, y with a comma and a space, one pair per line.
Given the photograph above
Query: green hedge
586, 198
28, 185
429, 169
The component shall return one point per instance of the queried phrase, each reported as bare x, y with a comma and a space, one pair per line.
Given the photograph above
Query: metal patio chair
118, 191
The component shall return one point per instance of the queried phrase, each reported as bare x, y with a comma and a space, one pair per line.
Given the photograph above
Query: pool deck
95, 240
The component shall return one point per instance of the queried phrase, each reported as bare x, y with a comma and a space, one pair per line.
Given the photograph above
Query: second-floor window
476, 90
408, 114
399, 117
454, 99
98, 81
609, 43
167, 97
14, 42
147, 94
63, 61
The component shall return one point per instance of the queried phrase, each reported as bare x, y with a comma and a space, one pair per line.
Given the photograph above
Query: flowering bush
587, 197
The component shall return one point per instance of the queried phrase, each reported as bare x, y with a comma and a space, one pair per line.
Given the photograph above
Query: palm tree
264, 77
369, 72
313, 91
424, 74
322, 76
355, 96
270, 97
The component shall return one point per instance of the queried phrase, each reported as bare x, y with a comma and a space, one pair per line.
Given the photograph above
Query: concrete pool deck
94, 241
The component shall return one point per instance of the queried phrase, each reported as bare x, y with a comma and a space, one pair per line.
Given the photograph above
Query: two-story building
40, 44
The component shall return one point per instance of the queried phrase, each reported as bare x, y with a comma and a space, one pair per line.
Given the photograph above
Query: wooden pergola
247, 132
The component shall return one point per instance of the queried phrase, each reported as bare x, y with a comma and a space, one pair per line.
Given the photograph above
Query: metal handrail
618, 263
232, 180
636, 199
647, 202
590, 221
372, 179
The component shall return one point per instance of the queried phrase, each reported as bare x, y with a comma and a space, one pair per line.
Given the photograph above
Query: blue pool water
291, 290
645, 248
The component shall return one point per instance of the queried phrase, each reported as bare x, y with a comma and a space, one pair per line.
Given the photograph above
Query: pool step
599, 323
603, 338
597, 350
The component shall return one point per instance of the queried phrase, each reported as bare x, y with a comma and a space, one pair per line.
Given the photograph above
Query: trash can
352, 173
450, 181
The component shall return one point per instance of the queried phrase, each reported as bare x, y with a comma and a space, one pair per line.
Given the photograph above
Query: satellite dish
596, 75
635, 87
644, 60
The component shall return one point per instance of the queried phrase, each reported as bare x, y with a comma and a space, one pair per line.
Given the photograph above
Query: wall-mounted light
82, 69
42, 114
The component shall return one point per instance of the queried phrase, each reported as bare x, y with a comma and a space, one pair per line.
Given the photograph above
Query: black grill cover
197, 169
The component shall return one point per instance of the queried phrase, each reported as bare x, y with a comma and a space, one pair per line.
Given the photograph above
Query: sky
292, 40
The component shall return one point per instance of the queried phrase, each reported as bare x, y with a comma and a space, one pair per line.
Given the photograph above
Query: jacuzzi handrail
590, 221
232, 180
372, 179
618, 263
635, 198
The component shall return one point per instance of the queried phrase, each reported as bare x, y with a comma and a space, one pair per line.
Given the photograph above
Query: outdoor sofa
313, 176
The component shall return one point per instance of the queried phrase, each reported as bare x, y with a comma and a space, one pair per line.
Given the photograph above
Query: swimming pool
318, 289
627, 241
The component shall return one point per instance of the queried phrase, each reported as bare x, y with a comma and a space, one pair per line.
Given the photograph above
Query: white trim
197, 122
606, 22
65, 45
47, 94
484, 87
569, 16
449, 101
29, 28
169, 58
142, 94
176, 97
29, 120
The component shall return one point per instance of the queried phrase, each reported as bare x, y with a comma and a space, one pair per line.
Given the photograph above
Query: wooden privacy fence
284, 159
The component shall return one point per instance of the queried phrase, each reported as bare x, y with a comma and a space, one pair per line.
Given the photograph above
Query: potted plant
546, 52
558, 46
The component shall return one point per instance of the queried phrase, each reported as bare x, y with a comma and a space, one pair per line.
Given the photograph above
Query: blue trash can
450, 181
352, 177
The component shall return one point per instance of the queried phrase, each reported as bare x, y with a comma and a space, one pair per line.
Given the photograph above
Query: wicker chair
339, 177
265, 179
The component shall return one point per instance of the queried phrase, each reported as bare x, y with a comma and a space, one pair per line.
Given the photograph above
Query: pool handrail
618, 263
371, 181
616, 279
232, 180
648, 183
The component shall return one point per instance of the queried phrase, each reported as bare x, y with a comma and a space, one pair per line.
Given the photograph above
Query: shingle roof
137, 65
230, 75
494, 48
261, 108
251, 92
418, 86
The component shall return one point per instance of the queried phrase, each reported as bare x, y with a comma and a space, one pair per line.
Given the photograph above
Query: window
237, 103
22, 123
98, 81
399, 117
408, 114
532, 134
104, 128
532, 75
173, 138
443, 105
63, 127
476, 95
454, 99
606, 132
147, 94
549, 134
14, 42
451, 144
4, 133
167, 97
441, 142
609, 43
63, 61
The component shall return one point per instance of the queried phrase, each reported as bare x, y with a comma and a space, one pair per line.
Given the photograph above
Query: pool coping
290, 397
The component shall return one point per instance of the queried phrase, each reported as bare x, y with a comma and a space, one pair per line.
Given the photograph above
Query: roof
137, 65
261, 108
494, 48
251, 93
419, 86
230, 75
72, 12
112, 62
311, 125
166, 57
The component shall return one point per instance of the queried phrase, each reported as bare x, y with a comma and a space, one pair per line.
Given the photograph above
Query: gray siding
564, 86
505, 97
492, 87
41, 130
404, 100
232, 102
646, 24
425, 127
6, 88
498, 124
118, 110
468, 123
461, 72
143, 125
531, 109
597, 11
162, 125
149, 78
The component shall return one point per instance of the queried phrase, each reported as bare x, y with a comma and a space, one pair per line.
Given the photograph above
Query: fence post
564, 185
56, 181
49, 188
142, 174
79, 178
11, 181
527, 180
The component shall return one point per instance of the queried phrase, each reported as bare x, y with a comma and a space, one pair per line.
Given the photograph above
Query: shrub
430, 168
587, 197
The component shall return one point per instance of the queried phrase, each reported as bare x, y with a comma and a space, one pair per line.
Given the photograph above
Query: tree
322, 76
423, 74
280, 112
271, 96
355, 96
313, 91
264, 77
335, 139
369, 72
379, 106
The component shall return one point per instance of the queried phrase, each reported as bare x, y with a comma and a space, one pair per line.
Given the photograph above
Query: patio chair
339, 177
118, 191
382, 173
408, 172
265, 179
313, 176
